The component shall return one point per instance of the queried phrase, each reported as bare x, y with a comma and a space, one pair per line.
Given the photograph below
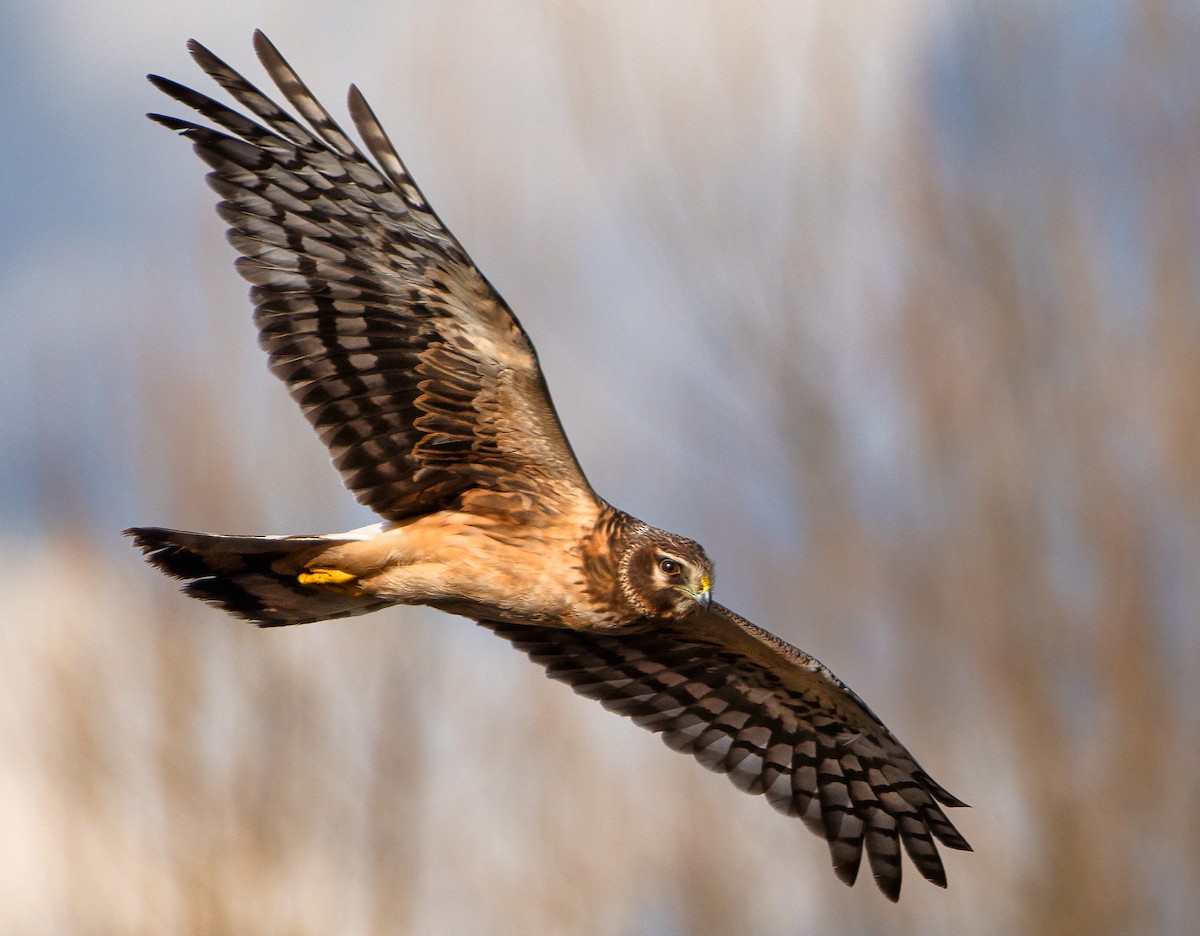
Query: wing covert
774, 719
409, 365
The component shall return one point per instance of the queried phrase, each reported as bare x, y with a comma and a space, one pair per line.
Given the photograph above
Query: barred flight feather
362, 294
834, 766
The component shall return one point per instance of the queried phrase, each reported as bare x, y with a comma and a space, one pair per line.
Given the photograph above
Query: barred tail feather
251, 577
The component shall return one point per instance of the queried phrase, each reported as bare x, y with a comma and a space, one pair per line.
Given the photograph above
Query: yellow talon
326, 577
332, 579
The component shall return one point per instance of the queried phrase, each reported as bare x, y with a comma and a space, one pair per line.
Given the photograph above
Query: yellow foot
331, 580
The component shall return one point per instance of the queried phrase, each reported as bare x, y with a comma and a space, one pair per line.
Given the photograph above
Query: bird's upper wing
409, 365
776, 720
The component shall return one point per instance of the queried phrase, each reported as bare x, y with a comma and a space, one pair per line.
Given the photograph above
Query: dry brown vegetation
897, 310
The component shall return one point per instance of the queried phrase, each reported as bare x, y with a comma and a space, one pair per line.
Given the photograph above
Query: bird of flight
428, 393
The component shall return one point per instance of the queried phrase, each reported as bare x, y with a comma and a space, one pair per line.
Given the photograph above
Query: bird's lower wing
777, 721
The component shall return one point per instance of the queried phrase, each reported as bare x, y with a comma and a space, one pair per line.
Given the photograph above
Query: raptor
429, 396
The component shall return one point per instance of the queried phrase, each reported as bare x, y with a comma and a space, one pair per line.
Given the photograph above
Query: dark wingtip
167, 86
935, 874
264, 48
172, 123
890, 887
846, 869
937, 791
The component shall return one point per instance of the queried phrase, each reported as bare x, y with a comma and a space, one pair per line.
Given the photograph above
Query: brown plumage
428, 393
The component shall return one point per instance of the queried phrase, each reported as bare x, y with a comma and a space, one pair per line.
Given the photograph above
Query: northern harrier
427, 391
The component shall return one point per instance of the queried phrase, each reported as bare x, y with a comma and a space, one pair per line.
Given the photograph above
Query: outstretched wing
777, 721
411, 368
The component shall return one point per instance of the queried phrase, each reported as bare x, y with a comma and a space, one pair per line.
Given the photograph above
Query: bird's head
664, 575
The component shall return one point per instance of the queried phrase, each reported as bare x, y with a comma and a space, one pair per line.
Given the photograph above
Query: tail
251, 577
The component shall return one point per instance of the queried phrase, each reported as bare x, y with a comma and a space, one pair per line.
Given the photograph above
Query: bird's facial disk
692, 581
672, 578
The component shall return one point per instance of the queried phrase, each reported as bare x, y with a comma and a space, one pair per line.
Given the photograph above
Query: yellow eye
668, 566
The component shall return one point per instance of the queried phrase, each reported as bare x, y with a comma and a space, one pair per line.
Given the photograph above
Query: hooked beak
702, 595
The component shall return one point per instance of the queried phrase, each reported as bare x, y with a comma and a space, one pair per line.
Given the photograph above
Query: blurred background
894, 306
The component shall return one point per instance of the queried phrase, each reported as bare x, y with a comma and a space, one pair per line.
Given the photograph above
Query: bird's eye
668, 566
